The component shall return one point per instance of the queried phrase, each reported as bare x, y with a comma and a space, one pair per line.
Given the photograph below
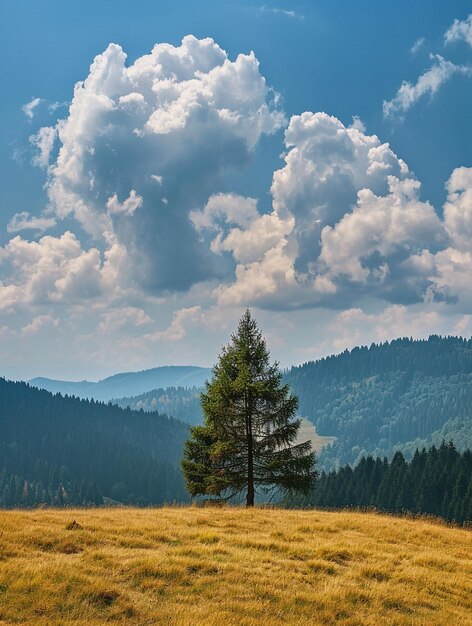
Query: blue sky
185, 274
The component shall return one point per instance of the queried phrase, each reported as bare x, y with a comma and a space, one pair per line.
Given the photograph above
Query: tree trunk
250, 457
250, 473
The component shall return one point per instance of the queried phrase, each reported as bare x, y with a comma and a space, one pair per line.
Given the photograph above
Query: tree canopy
63, 451
248, 437
437, 481
399, 395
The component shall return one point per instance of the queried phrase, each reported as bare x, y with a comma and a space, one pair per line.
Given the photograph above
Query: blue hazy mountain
128, 383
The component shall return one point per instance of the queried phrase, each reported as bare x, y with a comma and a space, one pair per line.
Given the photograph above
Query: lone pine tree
249, 430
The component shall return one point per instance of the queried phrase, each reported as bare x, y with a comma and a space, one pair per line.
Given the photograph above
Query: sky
165, 165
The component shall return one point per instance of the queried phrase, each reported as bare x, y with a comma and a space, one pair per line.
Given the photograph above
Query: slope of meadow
194, 566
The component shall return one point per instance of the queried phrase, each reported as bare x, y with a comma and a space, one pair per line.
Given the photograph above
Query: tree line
436, 482
62, 451
404, 394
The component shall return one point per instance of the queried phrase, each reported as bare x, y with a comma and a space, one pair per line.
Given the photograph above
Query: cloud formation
354, 327
428, 83
117, 318
44, 141
177, 329
280, 11
418, 45
29, 108
57, 270
127, 207
37, 324
347, 221
158, 252
143, 145
460, 31
25, 221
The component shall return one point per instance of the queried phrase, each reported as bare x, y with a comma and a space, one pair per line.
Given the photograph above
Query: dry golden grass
228, 566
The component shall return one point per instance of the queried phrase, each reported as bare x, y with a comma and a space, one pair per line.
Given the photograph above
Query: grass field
228, 566
307, 432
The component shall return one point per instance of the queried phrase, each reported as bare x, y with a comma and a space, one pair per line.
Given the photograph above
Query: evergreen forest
396, 396
390, 407
59, 451
435, 482
183, 403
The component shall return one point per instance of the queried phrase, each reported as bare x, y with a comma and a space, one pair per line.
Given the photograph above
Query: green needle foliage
249, 430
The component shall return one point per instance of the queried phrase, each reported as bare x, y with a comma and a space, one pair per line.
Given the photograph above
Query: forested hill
127, 383
435, 356
62, 450
183, 403
375, 400
398, 395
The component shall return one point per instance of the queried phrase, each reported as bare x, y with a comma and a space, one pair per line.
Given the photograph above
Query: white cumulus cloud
458, 208
177, 329
181, 117
115, 319
139, 164
397, 223
57, 270
44, 141
346, 219
127, 207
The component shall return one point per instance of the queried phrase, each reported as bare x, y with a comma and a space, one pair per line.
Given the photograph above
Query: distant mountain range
398, 395
127, 383
183, 403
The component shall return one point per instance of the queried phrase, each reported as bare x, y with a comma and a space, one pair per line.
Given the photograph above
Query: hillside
183, 403
399, 395
187, 566
128, 383
65, 451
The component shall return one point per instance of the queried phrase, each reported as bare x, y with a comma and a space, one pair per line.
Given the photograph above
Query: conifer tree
248, 436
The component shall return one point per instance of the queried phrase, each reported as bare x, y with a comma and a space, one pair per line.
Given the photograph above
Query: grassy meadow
307, 432
195, 566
